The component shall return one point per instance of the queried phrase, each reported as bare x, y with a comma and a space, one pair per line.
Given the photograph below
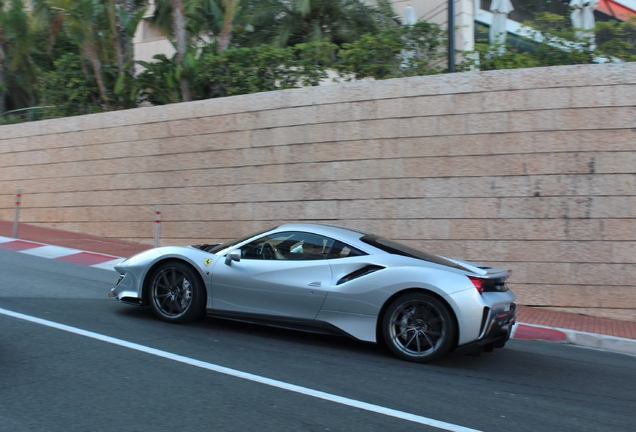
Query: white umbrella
500, 10
583, 18
409, 16
408, 19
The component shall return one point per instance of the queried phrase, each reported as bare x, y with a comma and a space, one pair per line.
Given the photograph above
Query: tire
177, 294
418, 327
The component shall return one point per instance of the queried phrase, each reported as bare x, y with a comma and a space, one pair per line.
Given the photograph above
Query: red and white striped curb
574, 337
59, 253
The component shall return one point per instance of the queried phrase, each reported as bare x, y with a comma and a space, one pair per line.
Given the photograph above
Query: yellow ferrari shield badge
207, 261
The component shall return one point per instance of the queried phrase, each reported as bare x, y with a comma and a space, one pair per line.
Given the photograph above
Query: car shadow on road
239, 330
514, 361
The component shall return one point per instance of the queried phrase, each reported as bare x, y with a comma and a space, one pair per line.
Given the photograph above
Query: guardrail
23, 115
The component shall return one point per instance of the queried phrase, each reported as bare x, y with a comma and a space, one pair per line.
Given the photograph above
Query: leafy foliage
160, 81
18, 72
101, 32
214, 22
68, 90
616, 40
290, 22
395, 52
263, 68
125, 89
77, 55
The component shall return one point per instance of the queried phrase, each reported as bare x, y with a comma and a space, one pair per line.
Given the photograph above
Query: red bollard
157, 225
18, 201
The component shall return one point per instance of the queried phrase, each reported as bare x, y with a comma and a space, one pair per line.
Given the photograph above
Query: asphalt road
72, 359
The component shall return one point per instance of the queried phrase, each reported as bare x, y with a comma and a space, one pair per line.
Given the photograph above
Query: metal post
451, 36
157, 225
16, 218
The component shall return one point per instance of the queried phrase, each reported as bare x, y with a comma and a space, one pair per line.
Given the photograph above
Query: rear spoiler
483, 272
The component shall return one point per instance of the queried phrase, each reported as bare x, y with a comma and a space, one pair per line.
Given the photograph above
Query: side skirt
310, 326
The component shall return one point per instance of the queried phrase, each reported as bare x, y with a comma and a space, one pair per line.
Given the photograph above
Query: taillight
479, 284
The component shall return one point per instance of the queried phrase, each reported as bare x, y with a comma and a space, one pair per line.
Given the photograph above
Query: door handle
315, 284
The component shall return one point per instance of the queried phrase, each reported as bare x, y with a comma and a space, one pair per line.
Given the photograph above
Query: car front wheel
418, 327
176, 293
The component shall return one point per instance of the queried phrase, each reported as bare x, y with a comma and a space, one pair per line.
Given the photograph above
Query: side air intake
368, 269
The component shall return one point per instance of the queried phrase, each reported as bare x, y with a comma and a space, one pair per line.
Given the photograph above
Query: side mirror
235, 255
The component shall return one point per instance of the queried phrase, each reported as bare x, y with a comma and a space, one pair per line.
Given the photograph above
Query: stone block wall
533, 169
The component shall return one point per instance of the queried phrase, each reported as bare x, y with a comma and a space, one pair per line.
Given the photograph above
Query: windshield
396, 248
224, 246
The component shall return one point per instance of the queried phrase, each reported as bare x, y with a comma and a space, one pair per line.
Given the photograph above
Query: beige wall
533, 169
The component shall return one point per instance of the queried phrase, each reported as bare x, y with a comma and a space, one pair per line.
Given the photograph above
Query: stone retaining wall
534, 169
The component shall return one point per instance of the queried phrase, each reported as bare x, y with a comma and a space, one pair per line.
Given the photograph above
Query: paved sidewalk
532, 323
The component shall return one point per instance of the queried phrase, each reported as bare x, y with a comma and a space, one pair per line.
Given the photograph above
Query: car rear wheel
418, 327
176, 293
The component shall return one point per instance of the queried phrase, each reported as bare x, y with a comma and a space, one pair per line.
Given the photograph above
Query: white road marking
246, 376
50, 251
108, 265
6, 239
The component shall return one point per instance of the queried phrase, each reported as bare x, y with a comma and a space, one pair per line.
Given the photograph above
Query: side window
341, 250
307, 246
292, 245
261, 248
288, 245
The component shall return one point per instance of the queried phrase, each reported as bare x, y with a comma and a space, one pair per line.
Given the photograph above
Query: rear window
396, 248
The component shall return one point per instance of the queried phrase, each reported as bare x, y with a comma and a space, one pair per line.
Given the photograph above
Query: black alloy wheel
177, 294
418, 327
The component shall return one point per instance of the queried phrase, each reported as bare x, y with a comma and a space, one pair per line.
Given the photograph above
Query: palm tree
216, 18
118, 34
123, 18
181, 44
17, 71
129, 14
3, 106
230, 10
170, 18
81, 20
3, 41
192, 24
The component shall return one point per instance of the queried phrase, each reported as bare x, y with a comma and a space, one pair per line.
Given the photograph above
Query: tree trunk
92, 56
118, 53
116, 30
181, 37
3, 106
129, 49
225, 37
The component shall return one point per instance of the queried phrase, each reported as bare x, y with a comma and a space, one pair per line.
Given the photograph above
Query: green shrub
69, 89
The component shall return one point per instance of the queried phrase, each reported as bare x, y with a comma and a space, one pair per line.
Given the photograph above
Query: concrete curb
575, 337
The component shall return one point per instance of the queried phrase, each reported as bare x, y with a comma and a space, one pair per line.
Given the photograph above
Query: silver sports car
329, 279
